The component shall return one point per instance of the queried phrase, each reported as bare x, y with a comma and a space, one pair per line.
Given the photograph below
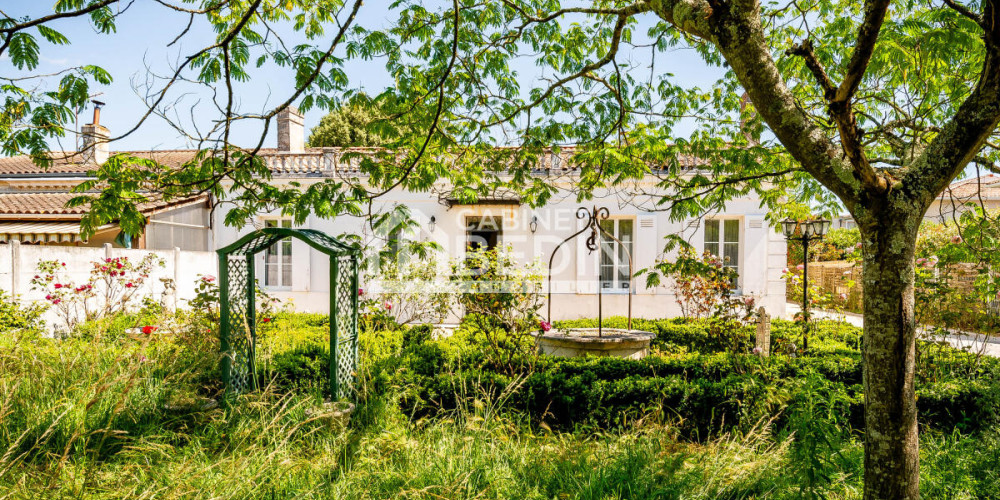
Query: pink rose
387, 306
800, 267
361, 291
545, 326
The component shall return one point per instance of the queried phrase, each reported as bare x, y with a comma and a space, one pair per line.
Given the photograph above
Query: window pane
712, 233
625, 228
732, 231
286, 275
732, 254
607, 260
270, 275
712, 248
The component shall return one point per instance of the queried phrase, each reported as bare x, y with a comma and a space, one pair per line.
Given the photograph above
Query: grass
87, 419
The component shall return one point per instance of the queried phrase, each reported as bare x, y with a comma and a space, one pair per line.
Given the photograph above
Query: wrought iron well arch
238, 328
594, 218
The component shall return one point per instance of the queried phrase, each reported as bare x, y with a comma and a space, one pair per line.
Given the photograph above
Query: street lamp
807, 231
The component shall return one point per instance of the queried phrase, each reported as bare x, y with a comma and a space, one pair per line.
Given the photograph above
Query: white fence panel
19, 265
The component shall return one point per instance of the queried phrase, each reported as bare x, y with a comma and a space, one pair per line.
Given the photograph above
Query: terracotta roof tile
32, 205
987, 186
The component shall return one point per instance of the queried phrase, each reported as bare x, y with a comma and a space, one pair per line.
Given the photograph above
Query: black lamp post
805, 232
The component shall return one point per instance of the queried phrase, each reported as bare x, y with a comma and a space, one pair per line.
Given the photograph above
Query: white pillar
15, 269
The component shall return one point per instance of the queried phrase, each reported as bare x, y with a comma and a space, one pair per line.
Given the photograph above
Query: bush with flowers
114, 285
501, 299
703, 286
414, 289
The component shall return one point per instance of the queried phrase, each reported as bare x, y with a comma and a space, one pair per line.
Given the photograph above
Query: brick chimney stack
291, 130
95, 138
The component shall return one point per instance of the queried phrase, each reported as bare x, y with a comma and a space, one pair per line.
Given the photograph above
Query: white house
740, 233
290, 270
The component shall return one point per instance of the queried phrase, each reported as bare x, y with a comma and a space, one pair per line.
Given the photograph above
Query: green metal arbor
238, 331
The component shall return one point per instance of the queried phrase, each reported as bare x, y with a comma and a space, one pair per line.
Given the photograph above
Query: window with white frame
615, 255
722, 239
278, 258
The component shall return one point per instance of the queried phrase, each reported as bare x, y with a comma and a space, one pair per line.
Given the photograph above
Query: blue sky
146, 28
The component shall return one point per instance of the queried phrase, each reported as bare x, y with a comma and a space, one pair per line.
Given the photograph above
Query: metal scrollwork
594, 218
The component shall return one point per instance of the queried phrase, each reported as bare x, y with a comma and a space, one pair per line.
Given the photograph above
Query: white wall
762, 254
18, 265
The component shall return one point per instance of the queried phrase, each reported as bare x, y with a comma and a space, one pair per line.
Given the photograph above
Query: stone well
573, 342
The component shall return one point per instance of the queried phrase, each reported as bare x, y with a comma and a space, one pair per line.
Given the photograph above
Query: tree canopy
876, 105
349, 125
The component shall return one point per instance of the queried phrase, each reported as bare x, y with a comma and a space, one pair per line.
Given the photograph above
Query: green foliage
500, 298
684, 425
355, 123
698, 381
702, 285
838, 244
815, 419
17, 317
113, 286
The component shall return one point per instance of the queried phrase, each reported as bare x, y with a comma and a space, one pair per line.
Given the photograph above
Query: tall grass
90, 419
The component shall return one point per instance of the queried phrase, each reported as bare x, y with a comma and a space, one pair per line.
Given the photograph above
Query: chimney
291, 130
95, 138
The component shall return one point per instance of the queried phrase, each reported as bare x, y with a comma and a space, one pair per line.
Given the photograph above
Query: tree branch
736, 29
875, 11
961, 139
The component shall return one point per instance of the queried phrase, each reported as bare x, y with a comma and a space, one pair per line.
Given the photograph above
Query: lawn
109, 415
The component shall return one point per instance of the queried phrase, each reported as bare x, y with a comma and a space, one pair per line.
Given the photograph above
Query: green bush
695, 380
15, 317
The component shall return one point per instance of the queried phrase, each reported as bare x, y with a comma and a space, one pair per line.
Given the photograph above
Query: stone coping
589, 336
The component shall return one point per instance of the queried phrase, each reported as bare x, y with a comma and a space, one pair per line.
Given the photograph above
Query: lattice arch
238, 331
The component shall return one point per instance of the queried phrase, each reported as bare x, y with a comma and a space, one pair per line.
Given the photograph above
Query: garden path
975, 343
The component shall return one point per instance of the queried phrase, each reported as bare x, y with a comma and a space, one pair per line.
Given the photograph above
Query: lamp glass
825, 226
788, 227
807, 229
534, 224
433, 223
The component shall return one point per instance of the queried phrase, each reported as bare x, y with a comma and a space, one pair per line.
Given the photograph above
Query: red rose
265, 320
148, 329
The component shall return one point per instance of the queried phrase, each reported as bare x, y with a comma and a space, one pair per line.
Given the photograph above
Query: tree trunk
892, 462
